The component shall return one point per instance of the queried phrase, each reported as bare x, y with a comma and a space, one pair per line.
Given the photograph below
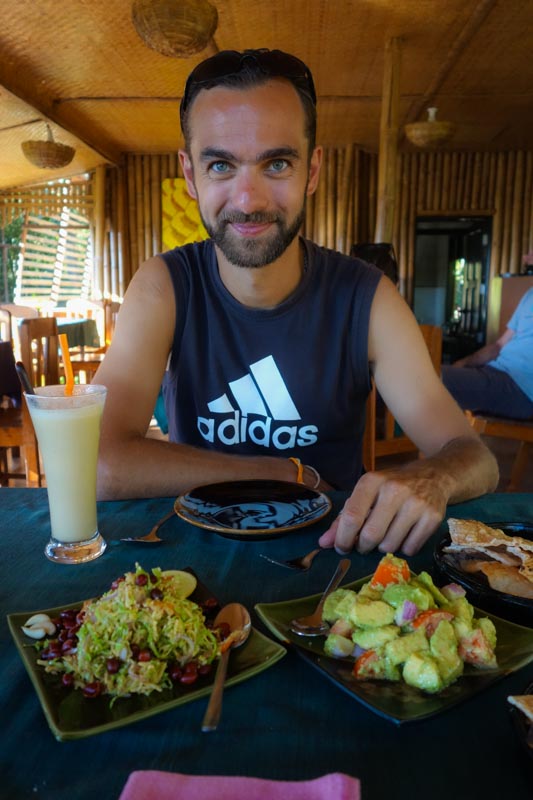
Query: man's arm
487, 353
129, 464
401, 507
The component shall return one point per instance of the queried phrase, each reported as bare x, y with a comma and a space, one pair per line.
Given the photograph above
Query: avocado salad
400, 626
134, 638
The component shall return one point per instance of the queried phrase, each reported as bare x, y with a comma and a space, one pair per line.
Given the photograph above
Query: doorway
451, 274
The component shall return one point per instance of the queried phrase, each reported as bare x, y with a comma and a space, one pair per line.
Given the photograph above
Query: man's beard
252, 251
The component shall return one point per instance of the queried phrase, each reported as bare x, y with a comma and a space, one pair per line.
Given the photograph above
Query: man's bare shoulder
152, 276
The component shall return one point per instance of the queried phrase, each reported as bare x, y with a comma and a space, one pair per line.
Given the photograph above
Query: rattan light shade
430, 133
177, 28
47, 153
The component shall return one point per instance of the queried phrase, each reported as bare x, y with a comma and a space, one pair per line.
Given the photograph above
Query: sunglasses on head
230, 62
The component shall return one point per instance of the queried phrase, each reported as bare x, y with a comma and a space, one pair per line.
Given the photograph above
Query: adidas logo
260, 402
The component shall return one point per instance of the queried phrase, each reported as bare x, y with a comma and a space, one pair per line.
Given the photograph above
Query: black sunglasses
231, 62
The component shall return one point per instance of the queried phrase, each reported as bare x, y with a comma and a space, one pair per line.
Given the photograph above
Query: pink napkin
155, 785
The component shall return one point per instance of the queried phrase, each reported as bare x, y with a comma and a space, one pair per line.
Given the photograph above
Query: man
269, 339
498, 378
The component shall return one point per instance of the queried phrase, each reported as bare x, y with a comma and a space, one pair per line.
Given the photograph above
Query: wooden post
388, 143
99, 229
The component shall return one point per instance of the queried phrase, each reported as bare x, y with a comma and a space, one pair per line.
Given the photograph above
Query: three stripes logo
260, 410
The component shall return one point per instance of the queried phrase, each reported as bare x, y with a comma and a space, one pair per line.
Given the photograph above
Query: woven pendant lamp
176, 28
430, 133
47, 153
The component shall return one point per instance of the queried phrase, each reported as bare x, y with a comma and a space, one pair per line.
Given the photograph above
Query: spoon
314, 625
237, 617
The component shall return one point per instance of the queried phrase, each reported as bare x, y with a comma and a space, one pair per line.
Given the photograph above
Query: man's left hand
395, 509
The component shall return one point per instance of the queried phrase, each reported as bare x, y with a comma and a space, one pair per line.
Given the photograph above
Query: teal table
80, 332
288, 722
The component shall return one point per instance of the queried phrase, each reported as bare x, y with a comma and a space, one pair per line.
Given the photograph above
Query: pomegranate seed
145, 655
189, 677
224, 630
92, 689
141, 580
175, 672
113, 665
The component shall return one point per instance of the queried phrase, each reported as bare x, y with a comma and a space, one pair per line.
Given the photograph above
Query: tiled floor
504, 450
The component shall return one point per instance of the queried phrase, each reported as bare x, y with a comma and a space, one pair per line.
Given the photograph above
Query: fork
151, 537
302, 563
314, 625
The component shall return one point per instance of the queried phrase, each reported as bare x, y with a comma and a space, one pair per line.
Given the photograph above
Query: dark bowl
479, 592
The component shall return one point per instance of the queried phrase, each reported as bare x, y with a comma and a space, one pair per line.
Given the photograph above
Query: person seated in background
267, 341
498, 378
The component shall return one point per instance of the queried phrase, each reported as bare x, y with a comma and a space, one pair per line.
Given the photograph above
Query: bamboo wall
461, 184
343, 210
340, 213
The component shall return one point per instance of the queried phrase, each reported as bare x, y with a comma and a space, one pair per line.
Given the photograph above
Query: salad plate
70, 715
479, 592
396, 702
252, 509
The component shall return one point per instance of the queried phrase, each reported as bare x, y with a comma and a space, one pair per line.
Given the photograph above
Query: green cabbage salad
130, 636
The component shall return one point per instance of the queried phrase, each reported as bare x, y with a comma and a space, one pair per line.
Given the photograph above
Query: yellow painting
180, 218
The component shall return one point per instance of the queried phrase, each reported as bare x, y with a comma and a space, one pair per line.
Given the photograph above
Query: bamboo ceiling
81, 65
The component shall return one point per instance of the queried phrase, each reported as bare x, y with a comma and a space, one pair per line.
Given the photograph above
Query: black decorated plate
523, 727
479, 592
70, 715
397, 702
254, 509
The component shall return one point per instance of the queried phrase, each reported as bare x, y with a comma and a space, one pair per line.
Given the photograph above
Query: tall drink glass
68, 432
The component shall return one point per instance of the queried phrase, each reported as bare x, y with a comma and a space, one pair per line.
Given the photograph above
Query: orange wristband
300, 468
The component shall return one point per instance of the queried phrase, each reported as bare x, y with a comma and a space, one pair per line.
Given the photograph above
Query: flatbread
491, 553
507, 579
506, 561
471, 531
524, 702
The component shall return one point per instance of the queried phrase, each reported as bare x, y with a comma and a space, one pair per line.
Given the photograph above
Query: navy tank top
287, 381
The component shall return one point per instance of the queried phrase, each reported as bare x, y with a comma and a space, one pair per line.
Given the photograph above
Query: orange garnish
390, 570
69, 374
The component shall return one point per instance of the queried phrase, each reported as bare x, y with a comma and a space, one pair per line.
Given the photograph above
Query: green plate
70, 715
397, 702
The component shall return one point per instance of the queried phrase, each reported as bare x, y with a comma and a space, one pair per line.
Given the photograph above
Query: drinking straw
69, 374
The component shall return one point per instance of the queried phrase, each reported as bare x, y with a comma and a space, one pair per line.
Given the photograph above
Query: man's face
249, 169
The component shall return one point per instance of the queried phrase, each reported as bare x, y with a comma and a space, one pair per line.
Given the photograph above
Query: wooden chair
39, 350
383, 439
517, 430
17, 435
88, 362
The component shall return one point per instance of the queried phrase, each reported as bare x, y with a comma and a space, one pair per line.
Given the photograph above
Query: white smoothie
68, 433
